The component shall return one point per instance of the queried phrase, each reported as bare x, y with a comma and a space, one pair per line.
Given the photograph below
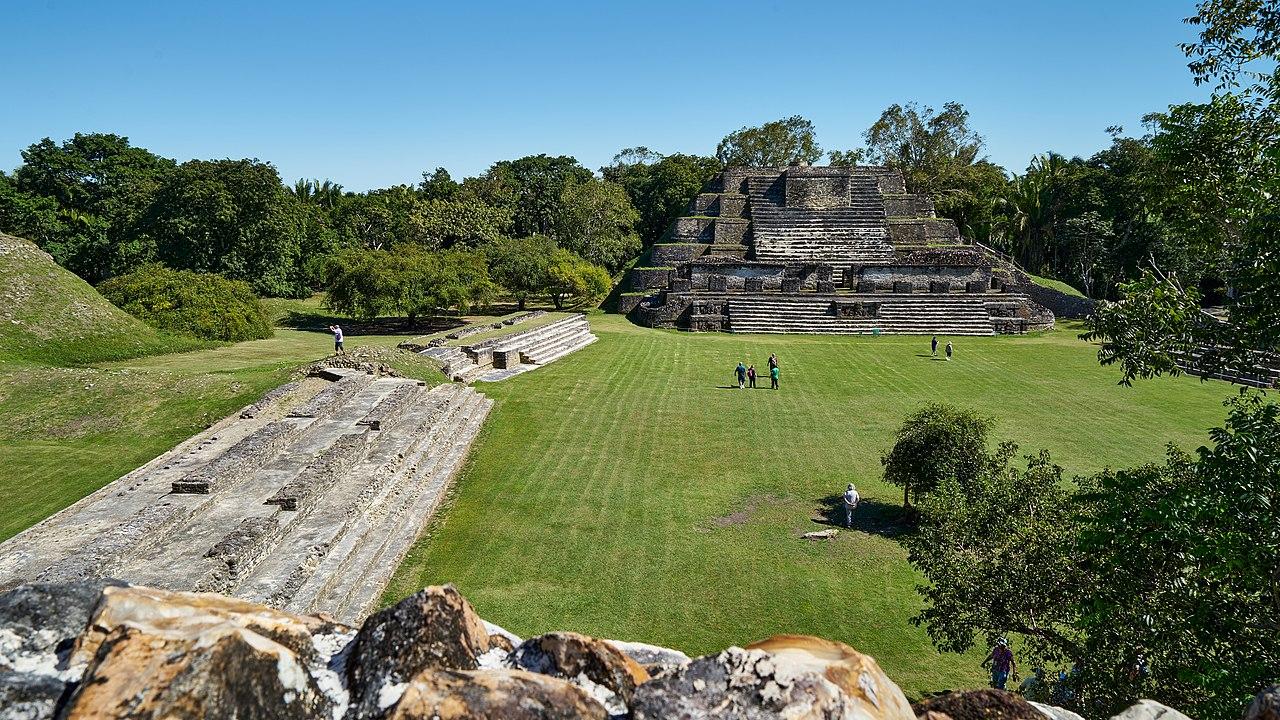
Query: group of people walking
747, 374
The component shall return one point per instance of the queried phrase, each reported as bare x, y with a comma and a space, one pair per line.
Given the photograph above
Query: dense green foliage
202, 305
408, 282
660, 186
1157, 581
936, 444
773, 144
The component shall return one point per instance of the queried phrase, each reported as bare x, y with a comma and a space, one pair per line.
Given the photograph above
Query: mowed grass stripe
592, 501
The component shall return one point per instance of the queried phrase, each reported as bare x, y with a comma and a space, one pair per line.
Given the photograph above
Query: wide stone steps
520, 352
356, 559
357, 476
899, 314
278, 578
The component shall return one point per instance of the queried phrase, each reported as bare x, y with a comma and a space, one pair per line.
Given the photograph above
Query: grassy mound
49, 316
1058, 285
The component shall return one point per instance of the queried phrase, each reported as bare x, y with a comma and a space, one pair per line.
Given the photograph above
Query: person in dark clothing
948, 349
751, 377
741, 372
773, 361
933, 346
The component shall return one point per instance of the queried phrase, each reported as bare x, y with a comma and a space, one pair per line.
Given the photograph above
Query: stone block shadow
874, 517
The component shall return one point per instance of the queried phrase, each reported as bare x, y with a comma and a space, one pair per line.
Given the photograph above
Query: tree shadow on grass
874, 517
320, 322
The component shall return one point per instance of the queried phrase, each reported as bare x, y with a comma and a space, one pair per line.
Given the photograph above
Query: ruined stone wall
817, 192
908, 206
923, 276
650, 278
736, 275
923, 231
671, 254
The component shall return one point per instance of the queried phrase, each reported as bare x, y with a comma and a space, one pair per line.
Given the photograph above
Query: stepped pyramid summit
842, 250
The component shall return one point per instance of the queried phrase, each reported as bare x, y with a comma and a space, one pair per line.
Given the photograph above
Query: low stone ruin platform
519, 352
307, 500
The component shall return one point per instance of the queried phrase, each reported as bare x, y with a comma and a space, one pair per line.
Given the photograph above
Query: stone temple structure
826, 250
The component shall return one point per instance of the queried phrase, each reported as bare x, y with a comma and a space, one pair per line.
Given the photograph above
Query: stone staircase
855, 234
500, 358
315, 522
899, 314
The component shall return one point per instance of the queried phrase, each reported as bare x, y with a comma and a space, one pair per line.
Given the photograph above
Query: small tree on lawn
936, 443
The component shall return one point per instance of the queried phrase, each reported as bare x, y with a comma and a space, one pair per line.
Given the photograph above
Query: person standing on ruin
741, 372
773, 377
948, 349
337, 339
751, 377
1001, 660
851, 499
933, 346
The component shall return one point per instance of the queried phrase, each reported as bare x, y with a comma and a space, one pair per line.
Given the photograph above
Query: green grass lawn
631, 491
70, 430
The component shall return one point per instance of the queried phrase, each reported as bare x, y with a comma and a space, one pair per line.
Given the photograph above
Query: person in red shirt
1002, 664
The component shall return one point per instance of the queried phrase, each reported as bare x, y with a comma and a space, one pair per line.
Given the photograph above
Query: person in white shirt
851, 498
337, 339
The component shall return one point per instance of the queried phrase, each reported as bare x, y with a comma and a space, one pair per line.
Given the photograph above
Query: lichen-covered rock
187, 674
1053, 712
1266, 706
39, 625
162, 612
1149, 710
602, 670
788, 676
986, 704
29, 696
493, 694
650, 656
435, 628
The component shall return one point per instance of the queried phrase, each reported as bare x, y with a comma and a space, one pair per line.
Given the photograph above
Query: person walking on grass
741, 372
933, 346
948, 350
851, 499
1001, 661
773, 361
773, 377
337, 339
751, 377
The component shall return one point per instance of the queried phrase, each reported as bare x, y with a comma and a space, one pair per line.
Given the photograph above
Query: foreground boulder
157, 654
1266, 706
39, 625
986, 704
434, 629
1149, 710
604, 671
789, 676
491, 694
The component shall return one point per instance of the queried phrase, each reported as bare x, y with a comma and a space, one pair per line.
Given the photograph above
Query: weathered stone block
817, 192
629, 302
732, 205
670, 254
855, 309
901, 286
826, 287
680, 284
753, 284
867, 286
649, 278
717, 283
791, 284
823, 272
729, 231
939, 286
975, 286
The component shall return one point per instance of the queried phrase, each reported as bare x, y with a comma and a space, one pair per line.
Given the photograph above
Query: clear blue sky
372, 94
